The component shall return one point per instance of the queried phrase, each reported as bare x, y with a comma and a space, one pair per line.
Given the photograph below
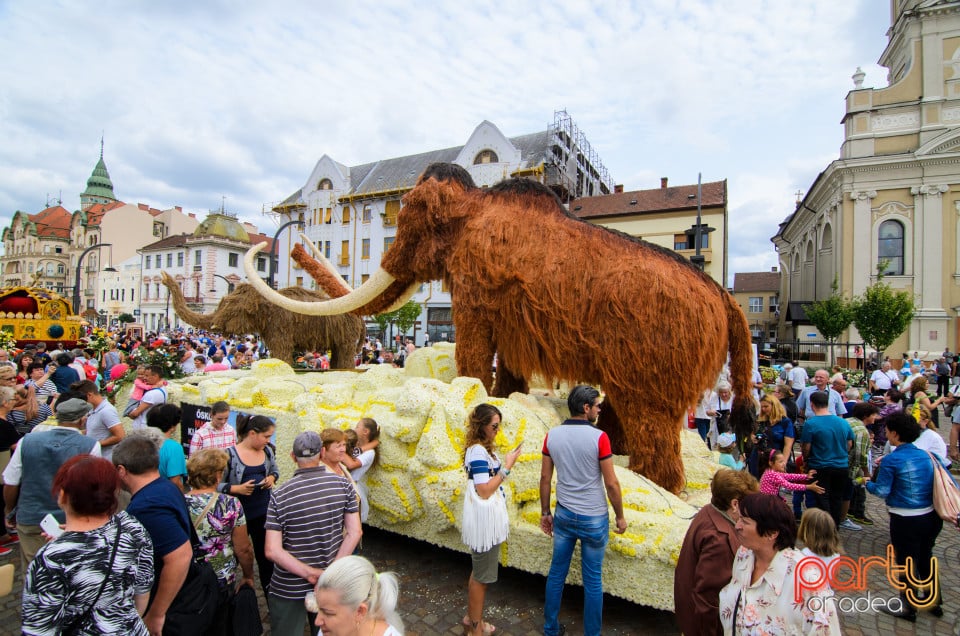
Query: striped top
308, 510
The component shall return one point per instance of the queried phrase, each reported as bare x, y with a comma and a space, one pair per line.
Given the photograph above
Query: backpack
90, 371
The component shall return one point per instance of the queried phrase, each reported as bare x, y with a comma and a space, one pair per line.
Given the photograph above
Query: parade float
29, 315
416, 486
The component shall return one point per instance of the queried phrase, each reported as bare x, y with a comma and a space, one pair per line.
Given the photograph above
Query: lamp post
273, 250
698, 229
224, 279
76, 281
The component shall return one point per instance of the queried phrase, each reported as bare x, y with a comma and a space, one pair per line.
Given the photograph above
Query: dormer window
325, 184
486, 156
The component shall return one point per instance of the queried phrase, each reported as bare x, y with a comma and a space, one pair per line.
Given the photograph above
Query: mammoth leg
507, 382
651, 434
475, 349
609, 423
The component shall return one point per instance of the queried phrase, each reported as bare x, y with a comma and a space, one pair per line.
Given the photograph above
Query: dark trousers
914, 537
834, 482
943, 385
258, 536
858, 503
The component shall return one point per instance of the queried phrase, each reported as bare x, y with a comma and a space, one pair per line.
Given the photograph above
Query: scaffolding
573, 167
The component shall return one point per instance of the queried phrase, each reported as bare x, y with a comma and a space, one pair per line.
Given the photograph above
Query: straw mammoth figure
556, 296
245, 311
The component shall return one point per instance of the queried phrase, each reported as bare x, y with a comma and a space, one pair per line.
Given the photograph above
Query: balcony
198, 268
344, 260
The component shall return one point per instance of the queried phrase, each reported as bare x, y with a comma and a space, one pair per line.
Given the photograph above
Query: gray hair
724, 386
137, 453
7, 393
356, 580
852, 394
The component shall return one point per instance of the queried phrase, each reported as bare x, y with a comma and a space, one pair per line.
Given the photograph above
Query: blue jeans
593, 531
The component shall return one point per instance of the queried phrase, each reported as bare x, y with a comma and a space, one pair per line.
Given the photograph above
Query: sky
216, 103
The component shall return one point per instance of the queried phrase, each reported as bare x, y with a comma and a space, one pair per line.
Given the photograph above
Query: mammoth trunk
197, 320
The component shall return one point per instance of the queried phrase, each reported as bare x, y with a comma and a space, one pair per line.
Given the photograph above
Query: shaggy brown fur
245, 311
572, 301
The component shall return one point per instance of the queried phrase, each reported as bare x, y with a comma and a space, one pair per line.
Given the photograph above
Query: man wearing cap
28, 478
313, 519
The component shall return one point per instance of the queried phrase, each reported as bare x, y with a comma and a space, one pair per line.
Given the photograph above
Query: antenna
101, 144
223, 204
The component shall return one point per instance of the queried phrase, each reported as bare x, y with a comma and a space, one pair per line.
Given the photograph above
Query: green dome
222, 226
99, 184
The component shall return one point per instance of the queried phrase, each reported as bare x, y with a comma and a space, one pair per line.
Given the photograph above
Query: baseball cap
307, 444
726, 439
72, 410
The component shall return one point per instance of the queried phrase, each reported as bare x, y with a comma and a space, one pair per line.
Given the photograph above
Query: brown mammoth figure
245, 311
554, 295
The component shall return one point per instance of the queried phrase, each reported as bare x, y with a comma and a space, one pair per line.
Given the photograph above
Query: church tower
99, 187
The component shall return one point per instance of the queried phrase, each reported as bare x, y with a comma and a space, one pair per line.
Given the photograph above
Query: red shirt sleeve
603, 447
545, 450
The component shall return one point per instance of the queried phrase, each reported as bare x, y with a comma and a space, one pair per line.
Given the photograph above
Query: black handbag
194, 608
245, 618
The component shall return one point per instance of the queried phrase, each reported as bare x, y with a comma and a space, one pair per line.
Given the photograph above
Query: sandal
487, 627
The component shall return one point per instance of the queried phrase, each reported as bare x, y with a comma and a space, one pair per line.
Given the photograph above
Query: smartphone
51, 526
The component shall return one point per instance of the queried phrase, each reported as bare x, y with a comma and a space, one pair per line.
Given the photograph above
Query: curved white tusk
404, 297
359, 297
323, 260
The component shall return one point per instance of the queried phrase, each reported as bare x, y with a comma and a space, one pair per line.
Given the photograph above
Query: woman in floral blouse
760, 596
220, 523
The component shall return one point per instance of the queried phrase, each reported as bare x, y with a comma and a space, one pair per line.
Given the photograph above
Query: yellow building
893, 196
758, 294
666, 216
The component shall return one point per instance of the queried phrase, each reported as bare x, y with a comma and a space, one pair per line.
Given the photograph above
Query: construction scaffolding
573, 168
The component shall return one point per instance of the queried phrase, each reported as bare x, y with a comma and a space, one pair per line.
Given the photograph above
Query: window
299, 281
50, 269
756, 305
123, 295
197, 256
686, 241
131, 294
680, 242
179, 259
326, 250
29, 268
367, 213
146, 262
756, 331
325, 184
774, 304
365, 249
261, 264
486, 156
104, 299
233, 259
328, 215
170, 260
345, 252
387, 242
346, 215
346, 279
364, 278
390, 211
890, 247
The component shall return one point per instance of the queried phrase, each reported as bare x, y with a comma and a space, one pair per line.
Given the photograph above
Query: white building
350, 212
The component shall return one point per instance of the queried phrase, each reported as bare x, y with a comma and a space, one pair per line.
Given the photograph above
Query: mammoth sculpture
245, 311
556, 296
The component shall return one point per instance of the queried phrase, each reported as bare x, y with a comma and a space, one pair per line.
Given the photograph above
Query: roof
401, 173
669, 199
96, 211
261, 238
756, 282
53, 221
223, 226
99, 184
176, 240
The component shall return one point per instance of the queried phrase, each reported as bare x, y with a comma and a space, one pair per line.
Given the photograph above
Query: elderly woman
706, 558
485, 522
905, 481
220, 524
760, 594
95, 578
352, 598
719, 411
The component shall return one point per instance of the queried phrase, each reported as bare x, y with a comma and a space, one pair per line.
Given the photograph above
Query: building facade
758, 294
892, 198
667, 216
350, 212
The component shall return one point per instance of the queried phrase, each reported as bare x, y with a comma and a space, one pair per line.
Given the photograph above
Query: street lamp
273, 249
224, 279
698, 229
76, 281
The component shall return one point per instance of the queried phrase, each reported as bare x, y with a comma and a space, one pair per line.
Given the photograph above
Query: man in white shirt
884, 379
798, 378
151, 397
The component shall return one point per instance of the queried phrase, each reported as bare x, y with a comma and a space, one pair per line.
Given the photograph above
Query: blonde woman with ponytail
353, 599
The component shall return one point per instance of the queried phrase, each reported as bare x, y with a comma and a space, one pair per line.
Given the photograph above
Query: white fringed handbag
485, 521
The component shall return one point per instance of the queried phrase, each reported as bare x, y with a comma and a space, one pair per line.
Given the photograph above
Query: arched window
486, 156
325, 184
826, 241
890, 247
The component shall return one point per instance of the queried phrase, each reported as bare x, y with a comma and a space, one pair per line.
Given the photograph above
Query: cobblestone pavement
433, 590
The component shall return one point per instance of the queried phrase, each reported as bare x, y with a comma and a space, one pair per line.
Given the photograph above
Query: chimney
663, 182
618, 189
773, 269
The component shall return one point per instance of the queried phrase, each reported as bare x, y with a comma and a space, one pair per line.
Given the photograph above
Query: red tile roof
53, 221
260, 238
648, 201
96, 211
756, 282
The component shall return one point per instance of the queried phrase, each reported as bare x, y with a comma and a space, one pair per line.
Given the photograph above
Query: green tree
881, 314
831, 316
403, 318
122, 318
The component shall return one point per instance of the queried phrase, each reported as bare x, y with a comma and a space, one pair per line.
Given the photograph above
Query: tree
403, 318
881, 314
831, 316
122, 318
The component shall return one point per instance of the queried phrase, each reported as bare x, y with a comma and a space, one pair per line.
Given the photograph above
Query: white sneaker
849, 525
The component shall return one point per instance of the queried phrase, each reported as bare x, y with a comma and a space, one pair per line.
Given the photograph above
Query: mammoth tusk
323, 260
359, 297
402, 300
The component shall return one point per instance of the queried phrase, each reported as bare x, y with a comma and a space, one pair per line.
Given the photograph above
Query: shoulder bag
946, 494
194, 609
75, 626
484, 522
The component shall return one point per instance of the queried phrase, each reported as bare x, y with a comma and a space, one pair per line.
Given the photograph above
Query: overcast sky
203, 100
